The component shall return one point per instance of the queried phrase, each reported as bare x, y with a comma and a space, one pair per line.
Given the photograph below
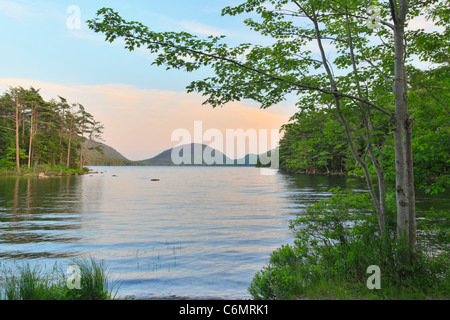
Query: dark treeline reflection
317, 186
35, 211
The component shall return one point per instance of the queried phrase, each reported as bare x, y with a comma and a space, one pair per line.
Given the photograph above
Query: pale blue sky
38, 44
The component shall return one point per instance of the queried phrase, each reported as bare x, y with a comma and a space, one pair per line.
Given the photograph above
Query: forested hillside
100, 154
314, 140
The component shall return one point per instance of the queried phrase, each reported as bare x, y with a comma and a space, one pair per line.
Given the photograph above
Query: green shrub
337, 240
281, 278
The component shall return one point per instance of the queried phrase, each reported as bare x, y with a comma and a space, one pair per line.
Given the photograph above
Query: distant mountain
101, 154
197, 154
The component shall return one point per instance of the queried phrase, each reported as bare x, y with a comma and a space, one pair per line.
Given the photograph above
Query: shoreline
343, 174
44, 171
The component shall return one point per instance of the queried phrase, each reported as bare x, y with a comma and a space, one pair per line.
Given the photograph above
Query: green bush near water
31, 283
336, 241
47, 170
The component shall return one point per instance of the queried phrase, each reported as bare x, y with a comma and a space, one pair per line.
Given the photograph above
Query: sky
140, 105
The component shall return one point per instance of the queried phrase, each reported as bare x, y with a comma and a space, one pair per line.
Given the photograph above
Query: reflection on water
198, 232
36, 215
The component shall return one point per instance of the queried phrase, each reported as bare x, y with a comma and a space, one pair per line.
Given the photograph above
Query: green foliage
279, 280
46, 169
314, 142
336, 240
8, 161
31, 283
336, 220
94, 283
48, 132
431, 131
266, 74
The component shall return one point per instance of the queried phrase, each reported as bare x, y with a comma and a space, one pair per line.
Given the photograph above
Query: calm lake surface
198, 233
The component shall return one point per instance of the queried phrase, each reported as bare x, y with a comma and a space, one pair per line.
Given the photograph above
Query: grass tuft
23, 282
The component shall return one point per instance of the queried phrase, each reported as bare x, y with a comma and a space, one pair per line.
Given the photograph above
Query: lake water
197, 233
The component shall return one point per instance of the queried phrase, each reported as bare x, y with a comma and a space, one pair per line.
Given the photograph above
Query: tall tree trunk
411, 190
31, 136
23, 122
61, 128
402, 132
400, 150
61, 134
70, 140
80, 161
87, 149
17, 133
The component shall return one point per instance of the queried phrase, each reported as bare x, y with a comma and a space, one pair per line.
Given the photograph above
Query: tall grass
95, 281
23, 282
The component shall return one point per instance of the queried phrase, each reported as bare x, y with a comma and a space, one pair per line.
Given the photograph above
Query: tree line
36, 132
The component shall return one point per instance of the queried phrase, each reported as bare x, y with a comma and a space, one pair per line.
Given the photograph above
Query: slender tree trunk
70, 140
411, 189
378, 165
402, 133
17, 134
23, 122
87, 149
400, 152
344, 120
61, 128
406, 216
81, 151
31, 137
61, 134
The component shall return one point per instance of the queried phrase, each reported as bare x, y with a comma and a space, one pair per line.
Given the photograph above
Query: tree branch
7, 128
137, 34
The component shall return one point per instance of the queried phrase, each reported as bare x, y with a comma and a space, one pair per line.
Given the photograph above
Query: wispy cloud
14, 10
